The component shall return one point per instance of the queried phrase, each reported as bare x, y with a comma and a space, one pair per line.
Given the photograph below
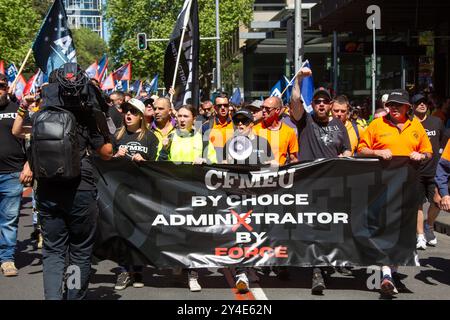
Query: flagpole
186, 19
21, 68
303, 64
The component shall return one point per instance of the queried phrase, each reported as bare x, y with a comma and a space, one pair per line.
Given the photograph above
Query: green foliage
89, 46
19, 24
157, 18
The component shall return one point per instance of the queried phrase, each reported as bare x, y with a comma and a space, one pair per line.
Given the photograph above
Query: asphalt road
430, 281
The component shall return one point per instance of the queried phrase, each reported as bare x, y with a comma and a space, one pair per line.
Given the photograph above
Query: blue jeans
10, 196
68, 221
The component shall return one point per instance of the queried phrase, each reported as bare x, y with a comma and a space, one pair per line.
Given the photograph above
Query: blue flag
277, 89
307, 90
236, 97
54, 45
153, 86
11, 73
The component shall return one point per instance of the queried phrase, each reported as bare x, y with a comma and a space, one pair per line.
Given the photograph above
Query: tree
157, 18
19, 24
89, 46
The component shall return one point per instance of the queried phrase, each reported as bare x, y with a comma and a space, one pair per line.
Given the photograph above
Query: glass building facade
85, 14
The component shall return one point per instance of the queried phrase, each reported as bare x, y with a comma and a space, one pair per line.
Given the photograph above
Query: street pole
374, 67
298, 35
219, 80
183, 32
335, 62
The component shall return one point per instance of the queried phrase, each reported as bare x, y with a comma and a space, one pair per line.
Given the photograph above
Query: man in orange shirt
220, 128
340, 109
281, 137
396, 134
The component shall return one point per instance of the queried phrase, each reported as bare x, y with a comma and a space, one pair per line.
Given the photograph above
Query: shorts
427, 187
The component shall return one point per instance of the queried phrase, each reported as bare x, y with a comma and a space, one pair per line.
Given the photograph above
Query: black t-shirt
12, 151
116, 116
435, 131
318, 140
261, 151
147, 147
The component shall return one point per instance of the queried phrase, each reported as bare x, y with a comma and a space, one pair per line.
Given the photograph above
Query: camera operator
68, 208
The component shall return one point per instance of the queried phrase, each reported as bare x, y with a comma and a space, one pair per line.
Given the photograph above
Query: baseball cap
243, 113
417, 98
150, 100
399, 96
256, 104
322, 91
137, 104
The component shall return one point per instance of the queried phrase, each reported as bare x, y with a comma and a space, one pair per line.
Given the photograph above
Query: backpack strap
355, 127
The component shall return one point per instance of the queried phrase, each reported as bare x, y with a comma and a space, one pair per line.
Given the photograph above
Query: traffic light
142, 41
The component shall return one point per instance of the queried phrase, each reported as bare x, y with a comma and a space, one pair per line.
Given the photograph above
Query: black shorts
426, 188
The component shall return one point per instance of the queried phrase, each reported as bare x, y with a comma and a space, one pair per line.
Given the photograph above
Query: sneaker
318, 285
242, 283
123, 280
387, 286
346, 271
429, 235
9, 269
421, 243
194, 286
137, 280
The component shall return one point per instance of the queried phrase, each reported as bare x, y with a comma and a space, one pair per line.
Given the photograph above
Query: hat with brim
243, 113
136, 104
322, 92
416, 99
399, 96
255, 105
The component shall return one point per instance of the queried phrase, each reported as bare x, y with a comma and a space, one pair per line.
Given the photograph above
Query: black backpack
55, 154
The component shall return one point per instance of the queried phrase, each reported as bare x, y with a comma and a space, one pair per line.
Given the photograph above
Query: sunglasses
222, 105
133, 111
3, 86
394, 105
267, 109
244, 121
319, 101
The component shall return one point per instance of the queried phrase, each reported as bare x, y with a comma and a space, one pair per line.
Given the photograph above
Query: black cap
322, 91
244, 113
418, 98
399, 96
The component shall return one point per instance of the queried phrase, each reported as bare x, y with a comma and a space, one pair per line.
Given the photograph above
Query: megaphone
240, 148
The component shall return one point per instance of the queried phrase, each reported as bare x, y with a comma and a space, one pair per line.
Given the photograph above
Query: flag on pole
153, 87
278, 88
34, 83
2, 66
11, 73
123, 73
91, 71
108, 83
307, 90
136, 87
20, 86
236, 97
102, 68
54, 45
187, 84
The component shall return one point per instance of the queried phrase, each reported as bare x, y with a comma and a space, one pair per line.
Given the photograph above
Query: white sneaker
421, 243
194, 286
429, 235
242, 283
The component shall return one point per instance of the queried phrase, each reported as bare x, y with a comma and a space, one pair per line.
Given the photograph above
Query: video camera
71, 89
